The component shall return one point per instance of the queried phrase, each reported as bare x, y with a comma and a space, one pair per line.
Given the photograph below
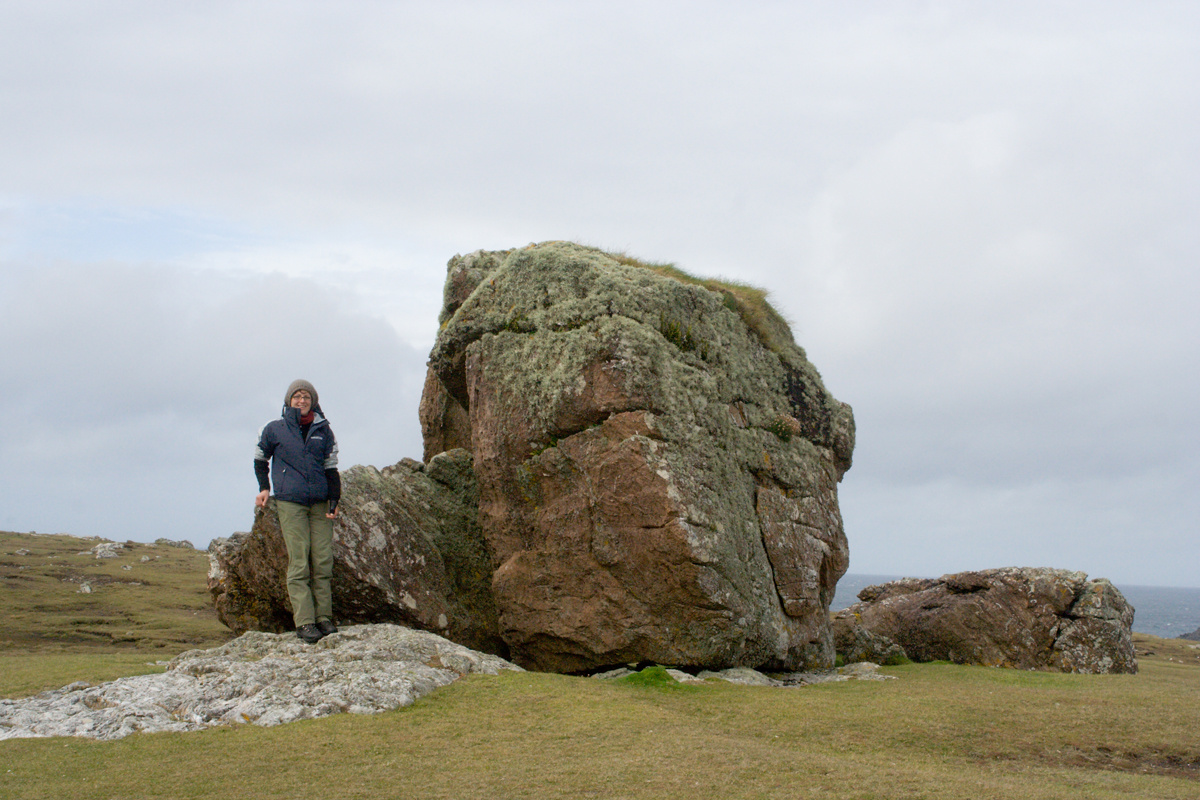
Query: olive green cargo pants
308, 534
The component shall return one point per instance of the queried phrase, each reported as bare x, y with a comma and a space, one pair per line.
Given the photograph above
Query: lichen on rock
636, 495
407, 549
622, 463
260, 678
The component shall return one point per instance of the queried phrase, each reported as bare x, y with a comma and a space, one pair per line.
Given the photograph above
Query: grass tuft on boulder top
750, 302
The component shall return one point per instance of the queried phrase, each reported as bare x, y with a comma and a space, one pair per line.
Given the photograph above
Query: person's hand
331, 514
260, 500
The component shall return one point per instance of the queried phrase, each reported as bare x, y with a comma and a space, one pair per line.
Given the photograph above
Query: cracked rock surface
657, 462
260, 678
1021, 617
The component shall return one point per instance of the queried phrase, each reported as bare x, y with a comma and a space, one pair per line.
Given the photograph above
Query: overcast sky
980, 218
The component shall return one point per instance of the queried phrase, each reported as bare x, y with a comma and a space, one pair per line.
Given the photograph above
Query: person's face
303, 401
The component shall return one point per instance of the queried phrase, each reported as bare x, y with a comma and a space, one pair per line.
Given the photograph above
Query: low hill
69, 615
57, 593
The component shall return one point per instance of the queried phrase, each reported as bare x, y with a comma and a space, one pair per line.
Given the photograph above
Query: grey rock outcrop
107, 550
261, 678
407, 549
855, 644
657, 462
183, 544
1025, 618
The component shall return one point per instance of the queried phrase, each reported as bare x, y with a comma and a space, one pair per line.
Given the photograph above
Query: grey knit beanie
297, 386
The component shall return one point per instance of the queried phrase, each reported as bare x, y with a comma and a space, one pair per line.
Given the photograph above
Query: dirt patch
1150, 762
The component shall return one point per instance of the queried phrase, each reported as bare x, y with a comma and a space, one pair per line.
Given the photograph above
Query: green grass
24, 673
938, 731
137, 613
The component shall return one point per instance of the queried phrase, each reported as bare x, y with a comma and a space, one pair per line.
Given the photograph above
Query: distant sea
1158, 610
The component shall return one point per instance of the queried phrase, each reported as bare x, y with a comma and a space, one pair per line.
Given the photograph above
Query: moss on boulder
657, 461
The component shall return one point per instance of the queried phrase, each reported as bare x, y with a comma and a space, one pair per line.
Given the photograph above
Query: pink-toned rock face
602, 548
1013, 617
656, 482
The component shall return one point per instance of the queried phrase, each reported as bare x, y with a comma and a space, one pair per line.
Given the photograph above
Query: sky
979, 218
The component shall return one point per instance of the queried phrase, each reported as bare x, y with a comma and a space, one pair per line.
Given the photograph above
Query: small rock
612, 674
857, 644
684, 677
183, 543
107, 550
864, 671
1017, 617
407, 548
743, 676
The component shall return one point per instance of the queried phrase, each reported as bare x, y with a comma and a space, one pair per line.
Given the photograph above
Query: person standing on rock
298, 453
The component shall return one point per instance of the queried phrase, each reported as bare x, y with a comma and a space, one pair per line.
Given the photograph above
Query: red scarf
306, 419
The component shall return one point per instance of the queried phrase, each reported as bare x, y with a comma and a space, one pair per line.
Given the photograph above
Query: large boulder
1014, 617
407, 549
657, 462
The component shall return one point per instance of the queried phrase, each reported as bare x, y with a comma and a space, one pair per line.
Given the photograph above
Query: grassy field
144, 606
938, 731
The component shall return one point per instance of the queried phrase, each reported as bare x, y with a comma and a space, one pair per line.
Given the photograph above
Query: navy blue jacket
298, 462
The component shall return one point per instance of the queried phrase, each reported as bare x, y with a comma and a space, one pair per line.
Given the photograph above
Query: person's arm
262, 467
262, 471
334, 479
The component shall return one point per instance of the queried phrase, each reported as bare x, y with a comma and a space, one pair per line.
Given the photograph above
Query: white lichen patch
264, 678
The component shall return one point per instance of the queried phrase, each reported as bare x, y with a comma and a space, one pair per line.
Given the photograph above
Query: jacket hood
296, 386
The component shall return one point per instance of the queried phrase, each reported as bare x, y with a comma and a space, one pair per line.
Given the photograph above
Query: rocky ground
261, 678
269, 679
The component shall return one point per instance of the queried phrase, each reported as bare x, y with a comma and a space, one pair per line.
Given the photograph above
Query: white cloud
135, 393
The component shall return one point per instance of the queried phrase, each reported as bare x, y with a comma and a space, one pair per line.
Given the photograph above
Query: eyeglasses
302, 396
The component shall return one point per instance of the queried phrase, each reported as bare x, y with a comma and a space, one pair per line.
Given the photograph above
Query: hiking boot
326, 627
309, 633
